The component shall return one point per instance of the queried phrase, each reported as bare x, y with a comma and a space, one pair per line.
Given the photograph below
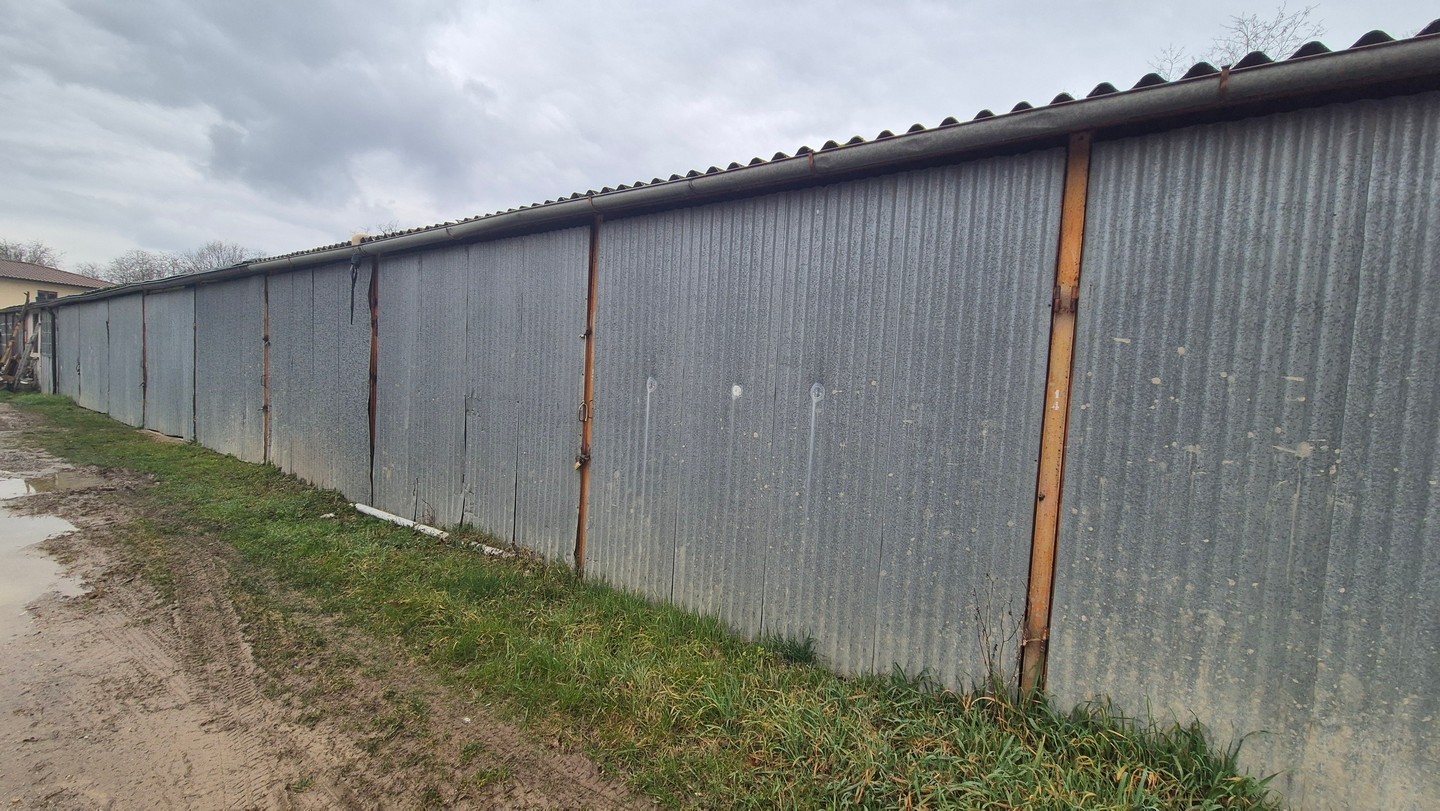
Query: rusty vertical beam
194, 366
587, 403
144, 359
265, 405
374, 298
1055, 425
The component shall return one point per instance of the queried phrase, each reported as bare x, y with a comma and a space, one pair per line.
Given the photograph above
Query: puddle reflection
26, 572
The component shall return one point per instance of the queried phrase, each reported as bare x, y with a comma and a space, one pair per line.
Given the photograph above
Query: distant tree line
137, 265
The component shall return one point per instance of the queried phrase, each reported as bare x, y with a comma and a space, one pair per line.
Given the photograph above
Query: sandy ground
111, 697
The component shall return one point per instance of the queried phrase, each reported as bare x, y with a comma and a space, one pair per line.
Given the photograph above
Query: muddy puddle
27, 573
50, 483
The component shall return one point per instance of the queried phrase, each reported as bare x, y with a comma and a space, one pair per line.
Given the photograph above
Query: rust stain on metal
374, 357
265, 406
587, 403
144, 361
1055, 426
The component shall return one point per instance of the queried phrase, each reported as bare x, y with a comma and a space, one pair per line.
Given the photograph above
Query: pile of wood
22, 352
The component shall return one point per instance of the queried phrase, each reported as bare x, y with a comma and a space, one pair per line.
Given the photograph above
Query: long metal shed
1126, 395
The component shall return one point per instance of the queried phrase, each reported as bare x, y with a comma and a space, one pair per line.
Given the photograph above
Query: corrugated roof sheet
44, 274
1254, 60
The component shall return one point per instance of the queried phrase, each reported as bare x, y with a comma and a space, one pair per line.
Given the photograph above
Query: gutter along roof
1376, 64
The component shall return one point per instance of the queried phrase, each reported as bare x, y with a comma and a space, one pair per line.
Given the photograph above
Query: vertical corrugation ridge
1253, 440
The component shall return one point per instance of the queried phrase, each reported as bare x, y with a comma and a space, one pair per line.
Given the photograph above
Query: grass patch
690, 714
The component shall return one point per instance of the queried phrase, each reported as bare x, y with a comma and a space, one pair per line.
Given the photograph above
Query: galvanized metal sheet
320, 377
1251, 529
818, 411
170, 362
67, 352
93, 387
126, 363
491, 443
230, 367
493, 410
420, 406
552, 274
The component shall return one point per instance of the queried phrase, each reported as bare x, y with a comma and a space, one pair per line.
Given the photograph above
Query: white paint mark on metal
817, 393
651, 384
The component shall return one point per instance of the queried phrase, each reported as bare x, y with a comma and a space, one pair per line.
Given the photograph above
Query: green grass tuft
691, 715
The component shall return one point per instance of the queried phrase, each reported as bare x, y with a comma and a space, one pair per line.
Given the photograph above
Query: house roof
43, 274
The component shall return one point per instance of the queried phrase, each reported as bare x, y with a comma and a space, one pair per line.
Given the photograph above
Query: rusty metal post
265, 374
1055, 425
587, 403
144, 357
374, 298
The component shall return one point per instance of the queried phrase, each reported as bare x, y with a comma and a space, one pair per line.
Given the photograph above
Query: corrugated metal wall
553, 271
1252, 524
94, 355
67, 351
170, 362
817, 410
492, 412
320, 377
819, 413
480, 373
230, 367
126, 364
422, 387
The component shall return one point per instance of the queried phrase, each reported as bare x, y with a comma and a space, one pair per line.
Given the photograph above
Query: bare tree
1278, 36
379, 229
216, 254
94, 270
143, 266
34, 252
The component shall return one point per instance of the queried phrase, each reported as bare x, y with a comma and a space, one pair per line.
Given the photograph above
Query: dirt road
114, 696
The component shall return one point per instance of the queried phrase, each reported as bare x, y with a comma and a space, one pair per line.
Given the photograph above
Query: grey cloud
300, 88
155, 120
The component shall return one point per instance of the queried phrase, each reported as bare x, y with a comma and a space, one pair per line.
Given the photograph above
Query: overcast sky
162, 124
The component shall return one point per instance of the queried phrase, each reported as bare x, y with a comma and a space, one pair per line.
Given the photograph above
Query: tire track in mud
122, 699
